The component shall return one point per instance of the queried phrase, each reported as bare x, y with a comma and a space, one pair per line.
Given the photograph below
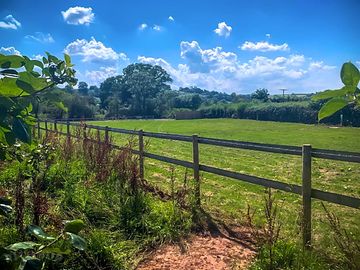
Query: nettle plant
339, 98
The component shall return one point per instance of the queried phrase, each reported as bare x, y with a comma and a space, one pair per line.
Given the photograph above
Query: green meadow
227, 199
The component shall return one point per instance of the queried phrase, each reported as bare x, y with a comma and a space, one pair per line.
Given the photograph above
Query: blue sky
232, 46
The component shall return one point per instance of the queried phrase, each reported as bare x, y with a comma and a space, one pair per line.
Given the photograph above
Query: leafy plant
339, 98
21, 81
30, 254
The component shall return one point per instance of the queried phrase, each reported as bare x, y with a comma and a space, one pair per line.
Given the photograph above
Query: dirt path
204, 252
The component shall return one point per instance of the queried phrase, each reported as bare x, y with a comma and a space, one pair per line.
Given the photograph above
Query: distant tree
145, 82
195, 102
110, 88
83, 88
94, 91
68, 88
261, 94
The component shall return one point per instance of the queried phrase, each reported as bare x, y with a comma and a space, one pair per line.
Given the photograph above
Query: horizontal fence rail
306, 151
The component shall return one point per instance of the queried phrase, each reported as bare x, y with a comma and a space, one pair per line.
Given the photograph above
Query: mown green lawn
228, 199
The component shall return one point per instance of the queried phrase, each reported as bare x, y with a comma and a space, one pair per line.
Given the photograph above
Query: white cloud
41, 37
9, 50
316, 65
200, 60
157, 27
10, 22
358, 63
223, 29
37, 57
171, 18
78, 15
263, 46
95, 77
94, 51
143, 26
268, 35
215, 69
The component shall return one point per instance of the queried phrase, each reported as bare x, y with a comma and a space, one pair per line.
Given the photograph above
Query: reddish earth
204, 252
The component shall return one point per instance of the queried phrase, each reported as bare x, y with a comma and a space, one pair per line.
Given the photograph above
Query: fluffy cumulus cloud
97, 61
94, 51
95, 77
41, 37
9, 50
264, 46
78, 15
223, 29
319, 65
171, 18
217, 69
9, 22
199, 60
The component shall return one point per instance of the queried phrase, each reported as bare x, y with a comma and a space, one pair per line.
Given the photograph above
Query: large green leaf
9, 88
39, 233
11, 61
67, 59
331, 107
77, 241
21, 130
31, 83
22, 246
74, 226
350, 74
334, 93
37, 63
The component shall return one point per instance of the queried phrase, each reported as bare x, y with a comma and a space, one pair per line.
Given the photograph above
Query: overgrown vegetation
101, 186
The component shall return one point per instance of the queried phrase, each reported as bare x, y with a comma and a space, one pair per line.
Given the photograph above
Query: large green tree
145, 82
261, 94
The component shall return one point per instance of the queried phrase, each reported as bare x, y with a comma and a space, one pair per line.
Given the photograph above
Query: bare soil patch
204, 252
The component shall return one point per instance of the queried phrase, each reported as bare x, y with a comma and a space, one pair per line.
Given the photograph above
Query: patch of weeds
275, 252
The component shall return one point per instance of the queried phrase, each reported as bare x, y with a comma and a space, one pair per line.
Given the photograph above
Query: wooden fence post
306, 194
55, 126
46, 129
196, 168
141, 154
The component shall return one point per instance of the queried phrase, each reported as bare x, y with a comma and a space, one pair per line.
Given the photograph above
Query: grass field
227, 199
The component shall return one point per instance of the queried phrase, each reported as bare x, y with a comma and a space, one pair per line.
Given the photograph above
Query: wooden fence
306, 151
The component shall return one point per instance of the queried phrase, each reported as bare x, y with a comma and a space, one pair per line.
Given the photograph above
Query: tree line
143, 90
